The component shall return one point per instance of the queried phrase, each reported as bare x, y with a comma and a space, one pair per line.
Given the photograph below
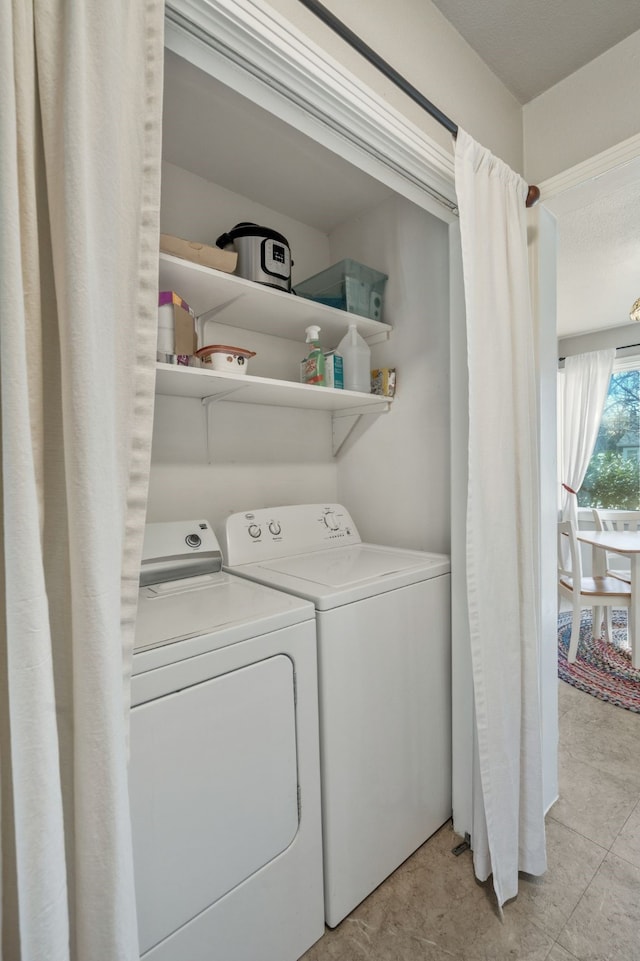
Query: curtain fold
80, 118
502, 520
584, 384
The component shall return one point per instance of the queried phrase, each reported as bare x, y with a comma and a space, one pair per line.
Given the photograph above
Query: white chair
611, 520
594, 592
606, 520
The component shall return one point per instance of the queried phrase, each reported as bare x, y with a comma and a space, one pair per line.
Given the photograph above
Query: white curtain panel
80, 117
583, 391
502, 520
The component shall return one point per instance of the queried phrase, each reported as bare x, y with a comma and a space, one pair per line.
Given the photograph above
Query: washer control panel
279, 531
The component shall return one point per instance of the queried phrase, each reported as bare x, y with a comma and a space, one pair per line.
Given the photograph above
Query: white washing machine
224, 770
384, 651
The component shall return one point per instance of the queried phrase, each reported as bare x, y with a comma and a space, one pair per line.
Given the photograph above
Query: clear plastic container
356, 361
348, 286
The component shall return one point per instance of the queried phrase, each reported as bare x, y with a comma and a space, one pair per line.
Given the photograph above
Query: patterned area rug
601, 669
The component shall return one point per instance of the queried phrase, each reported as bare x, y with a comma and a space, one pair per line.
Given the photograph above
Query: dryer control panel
278, 531
176, 549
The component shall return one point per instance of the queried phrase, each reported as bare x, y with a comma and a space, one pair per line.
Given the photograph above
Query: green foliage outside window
610, 482
613, 477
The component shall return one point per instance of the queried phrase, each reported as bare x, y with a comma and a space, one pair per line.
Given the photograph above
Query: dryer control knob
254, 530
275, 528
193, 540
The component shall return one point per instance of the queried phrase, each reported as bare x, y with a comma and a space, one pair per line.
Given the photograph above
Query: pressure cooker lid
245, 229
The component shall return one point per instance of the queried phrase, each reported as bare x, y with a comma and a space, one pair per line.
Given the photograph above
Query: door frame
249, 47
543, 270
589, 170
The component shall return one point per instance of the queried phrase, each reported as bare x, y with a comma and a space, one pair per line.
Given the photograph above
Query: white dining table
626, 543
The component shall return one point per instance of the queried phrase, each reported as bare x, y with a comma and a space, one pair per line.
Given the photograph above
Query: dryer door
213, 786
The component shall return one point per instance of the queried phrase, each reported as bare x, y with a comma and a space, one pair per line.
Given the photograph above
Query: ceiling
533, 44
598, 251
229, 140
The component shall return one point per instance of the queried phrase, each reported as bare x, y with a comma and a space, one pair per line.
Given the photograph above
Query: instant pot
263, 254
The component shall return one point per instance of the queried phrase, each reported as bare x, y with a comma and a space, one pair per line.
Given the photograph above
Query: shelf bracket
222, 395
206, 315
207, 403
378, 338
344, 421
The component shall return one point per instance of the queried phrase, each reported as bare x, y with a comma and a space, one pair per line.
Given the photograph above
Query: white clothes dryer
224, 769
384, 652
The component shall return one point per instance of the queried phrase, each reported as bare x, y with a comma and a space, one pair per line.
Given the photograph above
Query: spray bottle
313, 368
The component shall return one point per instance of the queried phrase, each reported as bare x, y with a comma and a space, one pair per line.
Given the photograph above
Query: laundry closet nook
322, 692
227, 160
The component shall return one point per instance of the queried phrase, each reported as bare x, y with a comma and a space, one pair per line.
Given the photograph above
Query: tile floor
586, 907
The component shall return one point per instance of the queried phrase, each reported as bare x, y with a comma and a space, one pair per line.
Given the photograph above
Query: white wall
393, 474
593, 109
414, 37
193, 207
626, 335
463, 715
260, 456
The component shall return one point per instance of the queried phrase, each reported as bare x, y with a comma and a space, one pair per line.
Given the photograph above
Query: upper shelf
227, 299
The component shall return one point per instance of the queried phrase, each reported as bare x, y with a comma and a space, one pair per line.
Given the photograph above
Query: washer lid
344, 567
341, 575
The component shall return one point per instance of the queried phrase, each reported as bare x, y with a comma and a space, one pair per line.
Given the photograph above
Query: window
613, 477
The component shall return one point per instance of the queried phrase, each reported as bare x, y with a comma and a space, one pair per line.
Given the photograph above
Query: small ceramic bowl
222, 357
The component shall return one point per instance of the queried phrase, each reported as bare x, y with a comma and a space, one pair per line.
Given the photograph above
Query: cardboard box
198, 253
383, 381
333, 370
176, 325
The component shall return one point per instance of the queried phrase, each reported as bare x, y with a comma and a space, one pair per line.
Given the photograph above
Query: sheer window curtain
80, 117
582, 393
502, 520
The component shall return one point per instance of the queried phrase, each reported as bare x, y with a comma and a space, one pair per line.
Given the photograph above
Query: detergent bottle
313, 366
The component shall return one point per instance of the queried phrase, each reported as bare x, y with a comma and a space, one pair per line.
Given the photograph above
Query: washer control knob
274, 527
331, 521
254, 530
193, 540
